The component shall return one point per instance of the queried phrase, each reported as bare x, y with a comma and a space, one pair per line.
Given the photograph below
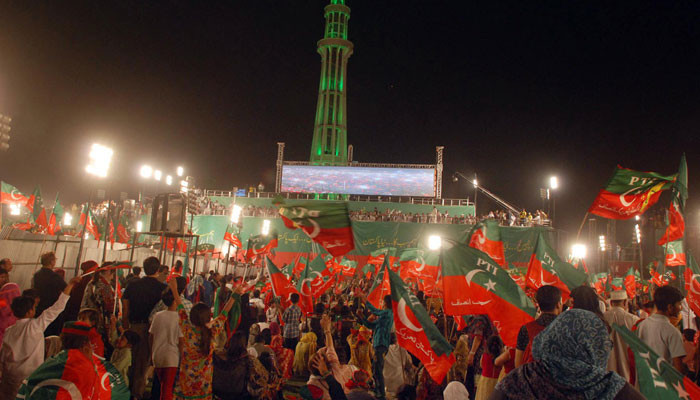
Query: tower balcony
335, 42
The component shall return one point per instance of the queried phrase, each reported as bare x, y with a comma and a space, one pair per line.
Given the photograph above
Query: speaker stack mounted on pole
169, 213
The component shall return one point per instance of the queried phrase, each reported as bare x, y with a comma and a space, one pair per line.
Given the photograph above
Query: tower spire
329, 145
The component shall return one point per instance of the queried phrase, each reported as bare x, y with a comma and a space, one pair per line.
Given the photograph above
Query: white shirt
23, 346
257, 303
658, 333
166, 336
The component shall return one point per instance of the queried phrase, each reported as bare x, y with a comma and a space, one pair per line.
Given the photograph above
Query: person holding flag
381, 340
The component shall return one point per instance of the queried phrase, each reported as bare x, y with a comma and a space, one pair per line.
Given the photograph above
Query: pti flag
476, 284
675, 255
630, 283
692, 284
657, 378
122, 230
676, 220
281, 286
348, 267
380, 287
231, 236
36, 205
326, 223
546, 268
305, 288
323, 277
55, 218
421, 265
71, 375
416, 332
377, 256
486, 236
11, 195
260, 245
629, 193
88, 221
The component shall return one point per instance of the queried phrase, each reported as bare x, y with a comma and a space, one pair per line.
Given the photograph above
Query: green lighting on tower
330, 144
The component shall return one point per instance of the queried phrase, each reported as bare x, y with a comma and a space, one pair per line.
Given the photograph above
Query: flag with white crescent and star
629, 193
259, 245
476, 284
657, 378
692, 284
281, 285
11, 195
547, 268
416, 332
305, 288
421, 265
71, 375
486, 236
380, 286
326, 223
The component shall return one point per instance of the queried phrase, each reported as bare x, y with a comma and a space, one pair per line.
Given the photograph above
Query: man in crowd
381, 340
137, 302
291, 318
6, 264
49, 284
658, 332
618, 314
549, 300
8, 292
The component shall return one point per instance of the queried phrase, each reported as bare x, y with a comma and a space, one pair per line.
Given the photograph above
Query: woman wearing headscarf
283, 356
361, 351
304, 351
571, 357
455, 391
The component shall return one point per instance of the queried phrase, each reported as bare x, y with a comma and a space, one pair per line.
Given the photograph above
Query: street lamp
157, 174
578, 251
180, 171
236, 214
146, 171
168, 180
266, 227
100, 158
434, 242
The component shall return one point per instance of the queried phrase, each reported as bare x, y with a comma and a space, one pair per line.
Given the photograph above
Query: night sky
515, 91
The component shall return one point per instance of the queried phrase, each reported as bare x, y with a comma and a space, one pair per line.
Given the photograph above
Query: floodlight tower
329, 145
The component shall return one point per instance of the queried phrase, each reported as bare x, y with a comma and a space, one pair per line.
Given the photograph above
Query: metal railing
367, 198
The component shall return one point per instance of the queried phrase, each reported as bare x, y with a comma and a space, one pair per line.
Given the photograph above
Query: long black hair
200, 315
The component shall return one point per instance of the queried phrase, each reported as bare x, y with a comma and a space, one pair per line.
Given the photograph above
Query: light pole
553, 185
100, 160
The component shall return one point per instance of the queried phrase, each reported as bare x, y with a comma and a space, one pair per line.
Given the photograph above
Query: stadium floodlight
553, 183
67, 219
139, 226
100, 158
15, 209
168, 180
184, 186
180, 171
601, 241
578, 251
434, 242
475, 183
637, 233
157, 174
266, 227
146, 171
236, 214
636, 218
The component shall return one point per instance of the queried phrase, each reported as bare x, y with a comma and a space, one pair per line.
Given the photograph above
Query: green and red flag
547, 268
232, 236
260, 245
676, 224
348, 267
326, 223
657, 378
476, 284
629, 193
675, 254
11, 195
305, 288
380, 286
71, 375
123, 231
368, 270
486, 236
377, 256
300, 265
416, 332
54, 225
36, 205
692, 284
281, 285
421, 265
323, 277
630, 283
88, 220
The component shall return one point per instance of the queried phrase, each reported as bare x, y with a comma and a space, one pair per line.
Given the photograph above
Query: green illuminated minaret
330, 143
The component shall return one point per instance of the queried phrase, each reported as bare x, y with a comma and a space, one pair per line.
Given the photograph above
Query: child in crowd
166, 342
121, 356
91, 317
690, 349
489, 371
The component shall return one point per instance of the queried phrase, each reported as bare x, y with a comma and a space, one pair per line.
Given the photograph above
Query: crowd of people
213, 336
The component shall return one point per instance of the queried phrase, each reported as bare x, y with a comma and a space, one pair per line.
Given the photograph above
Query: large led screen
359, 180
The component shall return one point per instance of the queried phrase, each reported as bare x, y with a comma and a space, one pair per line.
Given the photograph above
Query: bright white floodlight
553, 182
67, 219
434, 242
168, 180
236, 214
100, 158
266, 227
157, 174
15, 209
146, 171
180, 171
578, 251
139, 226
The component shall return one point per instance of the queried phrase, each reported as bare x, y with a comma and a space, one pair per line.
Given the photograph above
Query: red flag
281, 286
630, 283
676, 224
486, 236
326, 223
692, 279
546, 268
380, 287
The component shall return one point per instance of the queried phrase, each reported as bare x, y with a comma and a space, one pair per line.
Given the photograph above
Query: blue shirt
381, 326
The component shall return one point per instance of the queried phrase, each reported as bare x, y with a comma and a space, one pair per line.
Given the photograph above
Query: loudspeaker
168, 213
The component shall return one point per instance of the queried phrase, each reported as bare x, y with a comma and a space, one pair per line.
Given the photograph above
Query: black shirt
49, 285
143, 294
524, 338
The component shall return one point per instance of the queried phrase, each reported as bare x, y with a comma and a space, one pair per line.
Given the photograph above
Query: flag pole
580, 228
82, 236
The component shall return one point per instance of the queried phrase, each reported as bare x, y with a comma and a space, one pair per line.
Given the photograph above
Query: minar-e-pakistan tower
329, 145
